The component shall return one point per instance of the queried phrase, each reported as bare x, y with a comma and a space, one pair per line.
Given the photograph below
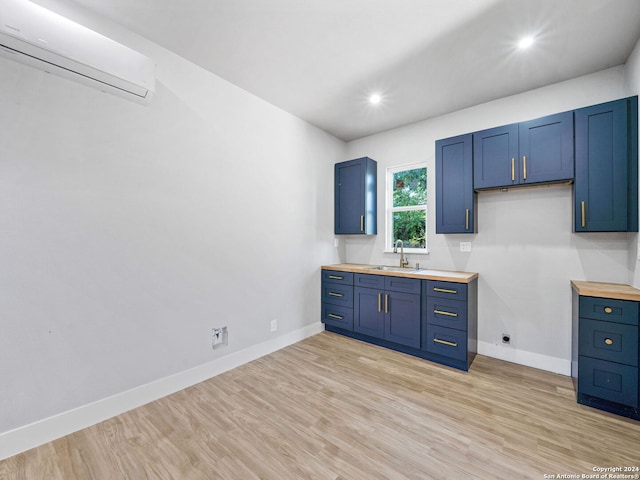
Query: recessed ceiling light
375, 99
525, 42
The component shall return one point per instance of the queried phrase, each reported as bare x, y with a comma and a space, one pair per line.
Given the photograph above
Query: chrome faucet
403, 260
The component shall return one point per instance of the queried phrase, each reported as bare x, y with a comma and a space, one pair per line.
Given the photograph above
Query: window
407, 207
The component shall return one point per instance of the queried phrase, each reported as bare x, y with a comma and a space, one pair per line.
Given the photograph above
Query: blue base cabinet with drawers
430, 319
605, 353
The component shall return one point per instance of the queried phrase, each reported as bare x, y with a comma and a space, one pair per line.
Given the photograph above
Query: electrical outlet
219, 337
274, 325
465, 246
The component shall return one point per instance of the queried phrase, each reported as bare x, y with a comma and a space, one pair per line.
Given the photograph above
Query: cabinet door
606, 178
455, 199
355, 197
546, 149
402, 318
368, 312
495, 155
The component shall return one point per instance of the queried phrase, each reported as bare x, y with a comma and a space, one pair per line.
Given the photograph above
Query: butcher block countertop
423, 274
618, 291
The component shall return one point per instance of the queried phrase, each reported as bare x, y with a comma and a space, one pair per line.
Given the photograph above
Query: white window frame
390, 209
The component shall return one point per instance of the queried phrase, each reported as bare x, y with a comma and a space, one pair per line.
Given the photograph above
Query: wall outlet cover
465, 246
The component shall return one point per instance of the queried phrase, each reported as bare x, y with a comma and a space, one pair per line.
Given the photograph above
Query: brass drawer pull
444, 290
386, 303
444, 342
608, 341
442, 312
466, 220
333, 294
379, 302
583, 223
524, 167
335, 277
513, 169
337, 317
608, 309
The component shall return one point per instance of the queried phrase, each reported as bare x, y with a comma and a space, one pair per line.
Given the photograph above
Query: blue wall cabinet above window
355, 197
533, 152
455, 198
606, 183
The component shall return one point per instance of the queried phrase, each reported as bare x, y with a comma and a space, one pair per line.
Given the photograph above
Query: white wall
128, 231
524, 251
632, 78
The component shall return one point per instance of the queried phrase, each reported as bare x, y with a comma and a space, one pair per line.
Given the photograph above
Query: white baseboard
522, 357
29, 436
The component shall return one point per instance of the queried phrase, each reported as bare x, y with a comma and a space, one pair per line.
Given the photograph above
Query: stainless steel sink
387, 268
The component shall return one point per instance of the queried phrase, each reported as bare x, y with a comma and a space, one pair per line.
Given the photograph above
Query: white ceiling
320, 59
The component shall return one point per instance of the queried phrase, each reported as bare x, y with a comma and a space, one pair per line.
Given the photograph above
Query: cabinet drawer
403, 285
456, 291
336, 294
447, 313
337, 277
341, 317
608, 380
615, 342
610, 310
368, 281
445, 341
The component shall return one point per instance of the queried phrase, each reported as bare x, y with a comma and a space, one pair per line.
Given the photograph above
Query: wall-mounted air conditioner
34, 35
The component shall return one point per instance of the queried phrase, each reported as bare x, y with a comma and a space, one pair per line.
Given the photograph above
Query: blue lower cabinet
389, 315
399, 313
337, 299
368, 313
610, 381
337, 316
446, 342
450, 321
605, 354
402, 318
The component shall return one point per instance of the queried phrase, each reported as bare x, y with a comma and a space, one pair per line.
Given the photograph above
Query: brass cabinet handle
608, 341
466, 221
331, 315
583, 214
608, 309
444, 342
444, 290
379, 302
335, 277
333, 294
448, 314
362, 223
524, 167
513, 169
386, 303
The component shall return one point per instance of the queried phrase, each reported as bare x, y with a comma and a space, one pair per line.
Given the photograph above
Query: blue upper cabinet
606, 183
546, 149
495, 154
455, 199
533, 152
355, 197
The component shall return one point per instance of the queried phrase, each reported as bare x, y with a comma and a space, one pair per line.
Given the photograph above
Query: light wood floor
334, 408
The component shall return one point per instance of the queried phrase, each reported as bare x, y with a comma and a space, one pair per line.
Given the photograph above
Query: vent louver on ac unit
33, 35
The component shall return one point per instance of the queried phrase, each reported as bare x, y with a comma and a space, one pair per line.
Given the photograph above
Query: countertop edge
618, 291
442, 275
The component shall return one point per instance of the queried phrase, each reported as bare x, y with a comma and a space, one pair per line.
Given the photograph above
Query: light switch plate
465, 246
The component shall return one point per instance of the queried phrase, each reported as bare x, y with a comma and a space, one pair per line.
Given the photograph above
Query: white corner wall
524, 251
129, 232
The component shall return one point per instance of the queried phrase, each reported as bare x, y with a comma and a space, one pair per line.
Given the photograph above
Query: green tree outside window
408, 209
